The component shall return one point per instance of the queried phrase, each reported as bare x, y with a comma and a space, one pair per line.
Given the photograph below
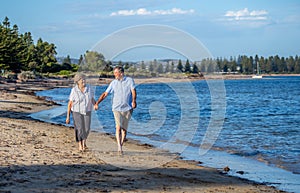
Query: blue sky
225, 27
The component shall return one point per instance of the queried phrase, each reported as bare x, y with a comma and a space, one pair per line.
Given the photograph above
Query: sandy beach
43, 157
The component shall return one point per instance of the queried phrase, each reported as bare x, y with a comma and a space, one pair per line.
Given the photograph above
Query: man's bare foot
120, 151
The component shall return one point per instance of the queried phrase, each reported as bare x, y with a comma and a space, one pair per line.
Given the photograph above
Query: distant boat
257, 75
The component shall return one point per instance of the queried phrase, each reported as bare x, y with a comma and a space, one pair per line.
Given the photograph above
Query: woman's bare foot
80, 146
84, 144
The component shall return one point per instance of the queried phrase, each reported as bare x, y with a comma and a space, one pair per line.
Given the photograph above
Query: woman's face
81, 82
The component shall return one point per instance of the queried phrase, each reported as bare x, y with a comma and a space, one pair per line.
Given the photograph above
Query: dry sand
43, 157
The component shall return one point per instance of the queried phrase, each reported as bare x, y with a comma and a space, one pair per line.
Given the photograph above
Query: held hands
67, 120
133, 104
96, 107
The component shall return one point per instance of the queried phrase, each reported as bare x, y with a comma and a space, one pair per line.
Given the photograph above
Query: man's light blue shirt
122, 96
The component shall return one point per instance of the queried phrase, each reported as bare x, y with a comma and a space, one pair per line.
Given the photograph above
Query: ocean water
250, 125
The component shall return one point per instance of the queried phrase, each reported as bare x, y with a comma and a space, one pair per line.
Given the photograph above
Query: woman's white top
82, 101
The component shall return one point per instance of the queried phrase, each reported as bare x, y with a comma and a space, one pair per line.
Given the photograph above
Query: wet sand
43, 157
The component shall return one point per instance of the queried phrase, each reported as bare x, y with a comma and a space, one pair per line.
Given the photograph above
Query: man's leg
123, 135
118, 137
125, 119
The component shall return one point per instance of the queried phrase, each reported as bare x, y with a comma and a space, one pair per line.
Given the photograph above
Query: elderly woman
81, 102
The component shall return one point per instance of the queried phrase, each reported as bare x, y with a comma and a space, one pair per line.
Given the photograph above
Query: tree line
251, 65
240, 65
19, 53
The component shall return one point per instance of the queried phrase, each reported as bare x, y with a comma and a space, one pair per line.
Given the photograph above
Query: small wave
246, 154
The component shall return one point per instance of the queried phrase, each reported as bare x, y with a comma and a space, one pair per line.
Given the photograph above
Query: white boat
257, 75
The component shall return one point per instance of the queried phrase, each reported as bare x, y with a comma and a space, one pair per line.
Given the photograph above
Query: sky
225, 28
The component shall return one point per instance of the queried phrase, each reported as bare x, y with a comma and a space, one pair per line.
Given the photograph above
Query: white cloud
245, 14
144, 11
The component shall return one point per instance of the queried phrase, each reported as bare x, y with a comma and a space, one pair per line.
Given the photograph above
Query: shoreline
36, 152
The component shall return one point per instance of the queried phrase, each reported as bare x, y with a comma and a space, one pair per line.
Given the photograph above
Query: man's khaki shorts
122, 118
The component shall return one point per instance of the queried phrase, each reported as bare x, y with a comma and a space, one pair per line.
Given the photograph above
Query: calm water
260, 123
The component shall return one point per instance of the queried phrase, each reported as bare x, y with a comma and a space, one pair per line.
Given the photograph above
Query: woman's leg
79, 129
87, 127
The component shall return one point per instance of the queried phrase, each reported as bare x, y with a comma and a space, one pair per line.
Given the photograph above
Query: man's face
118, 75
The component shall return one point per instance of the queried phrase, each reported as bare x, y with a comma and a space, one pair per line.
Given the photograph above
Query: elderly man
124, 101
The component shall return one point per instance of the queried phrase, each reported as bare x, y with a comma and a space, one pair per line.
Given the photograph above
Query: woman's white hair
78, 76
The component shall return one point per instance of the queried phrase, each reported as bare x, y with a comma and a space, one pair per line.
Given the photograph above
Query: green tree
225, 65
290, 64
93, 61
67, 60
143, 66
256, 62
247, 64
262, 64
160, 68
17, 50
151, 67
172, 67
4, 48
233, 66
187, 67
276, 63
126, 66
167, 69
297, 65
80, 60
28, 54
219, 65
45, 55
179, 66
203, 65
9, 46
211, 66
283, 66
195, 68
108, 67
269, 64
120, 63
67, 64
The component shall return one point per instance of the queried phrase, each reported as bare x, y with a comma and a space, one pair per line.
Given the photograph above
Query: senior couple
81, 103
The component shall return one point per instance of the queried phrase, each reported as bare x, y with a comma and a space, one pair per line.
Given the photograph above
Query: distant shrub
65, 72
26, 75
11, 76
153, 74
